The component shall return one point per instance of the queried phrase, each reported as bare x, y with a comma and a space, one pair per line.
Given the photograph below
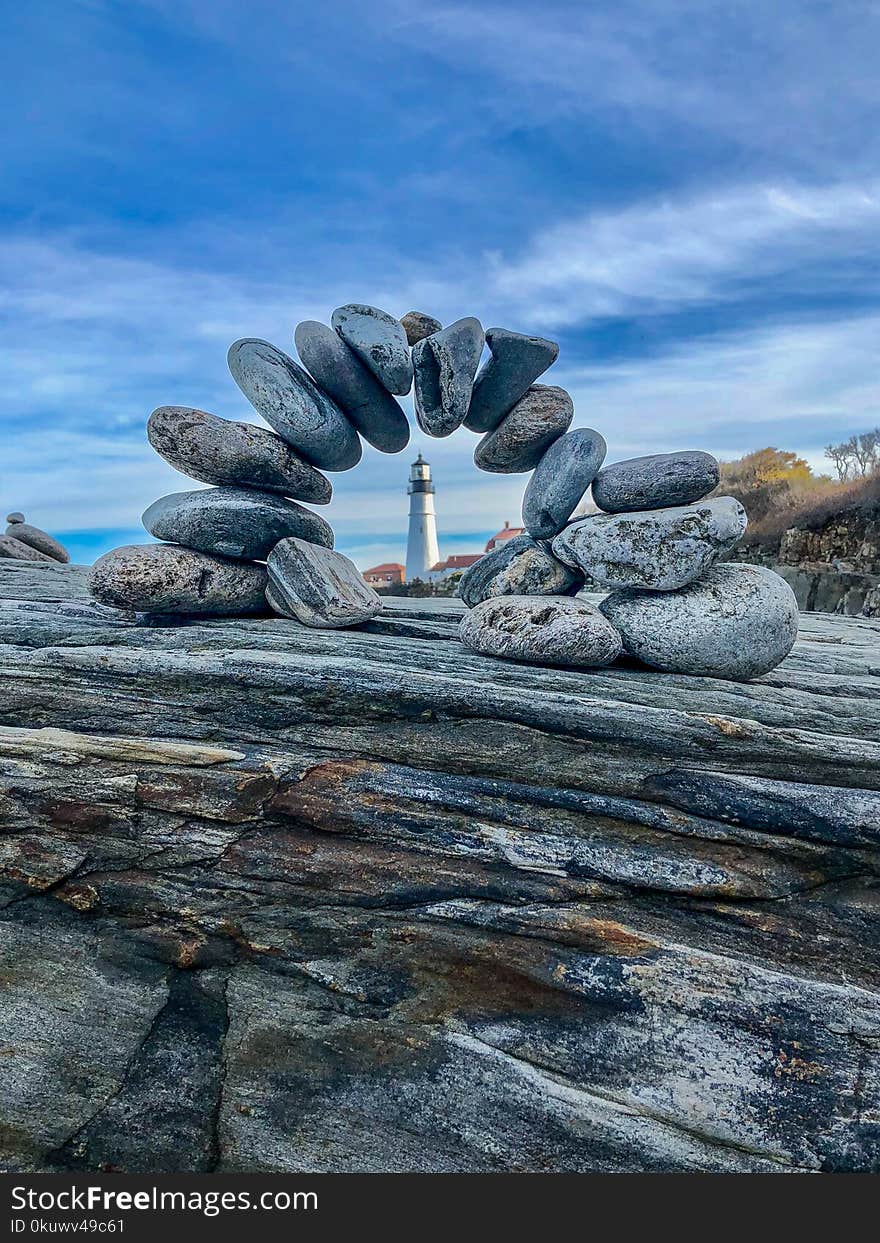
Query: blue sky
685, 194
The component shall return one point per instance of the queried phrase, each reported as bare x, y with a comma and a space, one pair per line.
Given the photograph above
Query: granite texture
290, 900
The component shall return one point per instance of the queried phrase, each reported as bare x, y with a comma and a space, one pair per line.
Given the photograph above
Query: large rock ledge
278, 899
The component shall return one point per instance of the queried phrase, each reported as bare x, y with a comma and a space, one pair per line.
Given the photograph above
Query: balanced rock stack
247, 543
23, 542
656, 547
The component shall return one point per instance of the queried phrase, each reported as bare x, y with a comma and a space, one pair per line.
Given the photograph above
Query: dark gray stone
517, 361
560, 480
518, 567
379, 340
35, 538
522, 437
318, 587
224, 452
15, 516
738, 622
354, 388
547, 630
165, 578
417, 325
290, 401
656, 481
654, 549
17, 550
445, 365
233, 522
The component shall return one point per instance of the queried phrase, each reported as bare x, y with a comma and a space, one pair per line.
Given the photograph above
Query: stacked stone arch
250, 541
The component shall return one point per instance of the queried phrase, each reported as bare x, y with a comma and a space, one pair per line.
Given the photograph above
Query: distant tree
767, 480
858, 457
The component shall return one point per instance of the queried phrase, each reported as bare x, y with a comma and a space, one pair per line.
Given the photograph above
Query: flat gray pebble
655, 482
163, 578
518, 567
548, 630
560, 480
15, 516
226, 452
523, 436
417, 325
517, 361
290, 401
13, 549
35, 538
379, 340
354, 388
739, 621
444, 367
233, 522
654, 549
318, 587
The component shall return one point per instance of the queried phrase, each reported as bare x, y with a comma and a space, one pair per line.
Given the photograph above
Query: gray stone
417, 325
379, 340
518, 567
523, 436
225, 452
165, 578
654, 482
233, 522
15, 516
290, 401
318, 587
445, 365
548, 630
18, 550
35, 538
516, 362
738, 622
560, 480
655, 549
353, 387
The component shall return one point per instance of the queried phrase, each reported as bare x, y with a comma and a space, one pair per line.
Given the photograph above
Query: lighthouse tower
422, 553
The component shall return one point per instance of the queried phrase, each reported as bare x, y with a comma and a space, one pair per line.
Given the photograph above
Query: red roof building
390, 573
508, 533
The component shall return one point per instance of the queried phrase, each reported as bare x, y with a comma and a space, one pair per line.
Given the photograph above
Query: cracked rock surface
284, 899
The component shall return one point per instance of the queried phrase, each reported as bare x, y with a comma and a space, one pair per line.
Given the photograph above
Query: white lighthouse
422, 553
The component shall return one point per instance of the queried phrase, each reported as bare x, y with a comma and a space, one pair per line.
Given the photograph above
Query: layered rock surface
362, 900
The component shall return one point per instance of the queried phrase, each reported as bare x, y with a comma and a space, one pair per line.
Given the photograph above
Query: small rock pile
23, 542
655, 546
247, 542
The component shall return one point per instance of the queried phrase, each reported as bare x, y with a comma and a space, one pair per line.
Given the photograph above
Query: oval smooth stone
13, 549
738, 622
342, 375
233, 454
35, 538
318, 587
522, 437
517, 361
654, 549
547, 630
291, 402
164, 578
417, 325
233, 522
379, 340
444, 366
560, 480
656, 481
15, 516
517, 567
